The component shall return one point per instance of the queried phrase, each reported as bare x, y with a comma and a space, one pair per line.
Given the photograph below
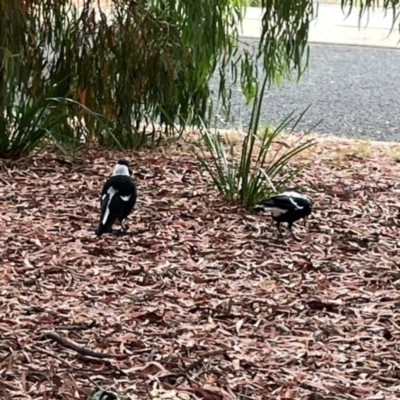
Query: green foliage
141, 63
26, 124
254, 3
32, 112
257, 169
28, 115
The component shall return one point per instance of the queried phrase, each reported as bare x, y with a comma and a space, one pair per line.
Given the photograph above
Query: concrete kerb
332, 26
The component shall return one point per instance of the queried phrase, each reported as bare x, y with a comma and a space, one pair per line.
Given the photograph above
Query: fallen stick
72, 346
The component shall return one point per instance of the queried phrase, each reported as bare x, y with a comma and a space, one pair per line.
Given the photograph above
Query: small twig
195, 364
7, 386
72, 346
198, 362
78, 217
54, 356
148, 391
115, 368
92, 381
6, 356
88, 371
78, 327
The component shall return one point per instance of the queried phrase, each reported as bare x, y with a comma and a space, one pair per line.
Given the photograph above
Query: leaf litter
201, 300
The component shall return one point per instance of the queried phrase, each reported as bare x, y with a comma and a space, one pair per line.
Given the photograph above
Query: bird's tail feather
102, 228
263, 205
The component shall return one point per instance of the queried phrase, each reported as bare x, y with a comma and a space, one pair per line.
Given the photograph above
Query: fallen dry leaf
201, 300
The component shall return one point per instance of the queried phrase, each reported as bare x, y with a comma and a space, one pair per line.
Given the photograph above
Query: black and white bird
118, 198
289, 206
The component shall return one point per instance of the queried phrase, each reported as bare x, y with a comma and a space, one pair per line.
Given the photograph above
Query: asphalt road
353, 91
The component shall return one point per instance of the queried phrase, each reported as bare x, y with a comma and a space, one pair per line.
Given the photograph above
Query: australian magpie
289, 206
118, 198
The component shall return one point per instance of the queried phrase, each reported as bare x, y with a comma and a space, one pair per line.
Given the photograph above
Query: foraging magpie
289, 206
118, 198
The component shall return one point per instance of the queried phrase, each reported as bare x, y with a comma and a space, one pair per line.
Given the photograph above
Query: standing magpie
289, 206
118, 198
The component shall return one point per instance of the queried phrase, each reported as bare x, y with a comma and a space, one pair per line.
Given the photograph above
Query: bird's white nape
120, 169
294, 194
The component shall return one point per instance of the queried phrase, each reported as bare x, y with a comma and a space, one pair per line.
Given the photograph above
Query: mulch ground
201, 300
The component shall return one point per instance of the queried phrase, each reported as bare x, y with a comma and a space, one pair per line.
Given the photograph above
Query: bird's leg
290, 225
305, 221
123, 227
278, 225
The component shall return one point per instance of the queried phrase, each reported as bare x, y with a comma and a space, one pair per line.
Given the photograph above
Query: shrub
143, 62
257, 170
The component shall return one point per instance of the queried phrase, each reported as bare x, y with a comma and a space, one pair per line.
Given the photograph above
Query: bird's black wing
123, 193
279, 202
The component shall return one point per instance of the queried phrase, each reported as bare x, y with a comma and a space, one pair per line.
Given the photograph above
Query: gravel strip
353, 90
